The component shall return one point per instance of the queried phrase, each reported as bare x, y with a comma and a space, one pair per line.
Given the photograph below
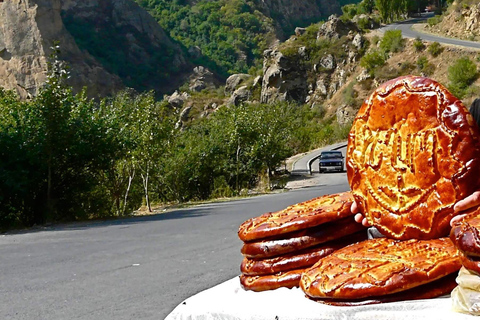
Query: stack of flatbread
279, 246
413, 152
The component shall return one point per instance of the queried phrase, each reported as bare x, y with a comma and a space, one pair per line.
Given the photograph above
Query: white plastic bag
466, 296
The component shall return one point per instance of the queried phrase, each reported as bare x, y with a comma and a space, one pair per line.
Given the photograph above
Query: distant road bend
409, 32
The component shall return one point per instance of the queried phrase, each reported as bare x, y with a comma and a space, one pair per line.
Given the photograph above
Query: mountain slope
230, 36
108, 45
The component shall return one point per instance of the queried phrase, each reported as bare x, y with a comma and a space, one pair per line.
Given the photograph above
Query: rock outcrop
462, 21
289, 13
27, 32
29, 28
239, 96
234, 81
335, 28
284, 78
202, 78
297, 78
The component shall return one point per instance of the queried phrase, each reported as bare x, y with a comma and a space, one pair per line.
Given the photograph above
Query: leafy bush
372, 60
364, 23
366, 6
349, 95
434, 20
418, 44
435, 49
349, 11
461, 74
424, 66
392, 41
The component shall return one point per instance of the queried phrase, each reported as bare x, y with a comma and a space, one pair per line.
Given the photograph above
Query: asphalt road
408, 32
301, 166
137, 268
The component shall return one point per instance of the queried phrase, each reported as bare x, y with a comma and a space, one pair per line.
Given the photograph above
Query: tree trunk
130, 179
145, 187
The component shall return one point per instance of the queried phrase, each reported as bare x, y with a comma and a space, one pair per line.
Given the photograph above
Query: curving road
137, 268
409, 32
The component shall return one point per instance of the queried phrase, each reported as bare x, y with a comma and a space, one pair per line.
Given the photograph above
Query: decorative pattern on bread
379, 267
299, 216
413, 152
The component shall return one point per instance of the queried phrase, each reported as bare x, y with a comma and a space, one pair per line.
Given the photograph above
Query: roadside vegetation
65, 157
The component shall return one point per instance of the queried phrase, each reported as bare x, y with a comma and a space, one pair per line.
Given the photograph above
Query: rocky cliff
28, 29
289, 14
461, 21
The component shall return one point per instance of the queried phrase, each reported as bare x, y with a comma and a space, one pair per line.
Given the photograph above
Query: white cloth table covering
228, 301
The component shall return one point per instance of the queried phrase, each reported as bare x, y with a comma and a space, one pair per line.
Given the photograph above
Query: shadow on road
83, 225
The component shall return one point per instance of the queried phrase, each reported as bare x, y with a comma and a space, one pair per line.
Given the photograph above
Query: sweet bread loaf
465, 234
379, 267
299, 216
297, 260
413, 152
470, 263
288, 279
299, 240
434, 289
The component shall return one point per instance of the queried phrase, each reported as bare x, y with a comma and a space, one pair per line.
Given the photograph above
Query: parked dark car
330, 161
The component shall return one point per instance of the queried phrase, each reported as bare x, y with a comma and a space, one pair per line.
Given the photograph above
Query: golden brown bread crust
470, 263
379, 267
288, 279
300, 216
465, 234
301, 239
434, 289
413, 152
297, 260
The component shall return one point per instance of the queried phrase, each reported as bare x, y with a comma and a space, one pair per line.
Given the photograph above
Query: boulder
185, 113
234, 81
240, 96
299, 31
328, 62
358, 41
335, 28
284, 78
176, 100
202, 78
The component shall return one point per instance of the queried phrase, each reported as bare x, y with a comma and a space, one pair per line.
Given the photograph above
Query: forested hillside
230, 36
66, 157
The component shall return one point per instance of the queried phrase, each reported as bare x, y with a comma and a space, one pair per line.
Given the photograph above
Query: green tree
384, 9
366, 6
153, 131
372, 60
392, 41
435, 49
461, 74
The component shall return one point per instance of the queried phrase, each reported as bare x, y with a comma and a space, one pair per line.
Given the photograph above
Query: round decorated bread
413, 152
300, 216
465, 234
301, 239
380, 267
431, 290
